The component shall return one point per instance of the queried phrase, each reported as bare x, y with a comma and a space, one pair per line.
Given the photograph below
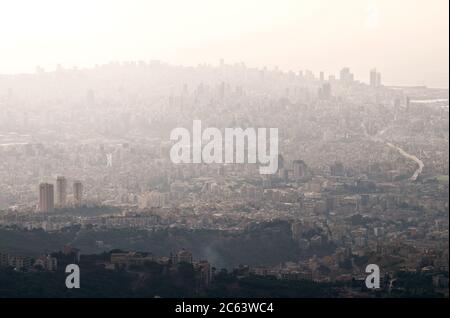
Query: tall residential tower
61, 191
46, 197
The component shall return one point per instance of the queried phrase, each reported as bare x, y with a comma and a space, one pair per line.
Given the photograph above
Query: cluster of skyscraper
346, 76
375, 78
47, 194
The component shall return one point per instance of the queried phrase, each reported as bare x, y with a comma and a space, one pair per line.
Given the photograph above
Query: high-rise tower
77, 192
61, 191
46, 197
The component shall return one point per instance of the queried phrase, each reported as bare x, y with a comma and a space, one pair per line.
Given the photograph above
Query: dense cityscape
86, 175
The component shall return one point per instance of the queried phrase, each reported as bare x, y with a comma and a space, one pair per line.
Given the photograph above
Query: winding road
377, 138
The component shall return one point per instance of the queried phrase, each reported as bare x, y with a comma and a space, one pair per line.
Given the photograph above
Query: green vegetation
442, 178
89, 210
265, 244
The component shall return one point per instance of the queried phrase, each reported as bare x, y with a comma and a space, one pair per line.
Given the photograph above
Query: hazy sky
407, 40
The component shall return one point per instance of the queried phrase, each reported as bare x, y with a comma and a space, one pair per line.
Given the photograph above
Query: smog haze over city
224, 149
